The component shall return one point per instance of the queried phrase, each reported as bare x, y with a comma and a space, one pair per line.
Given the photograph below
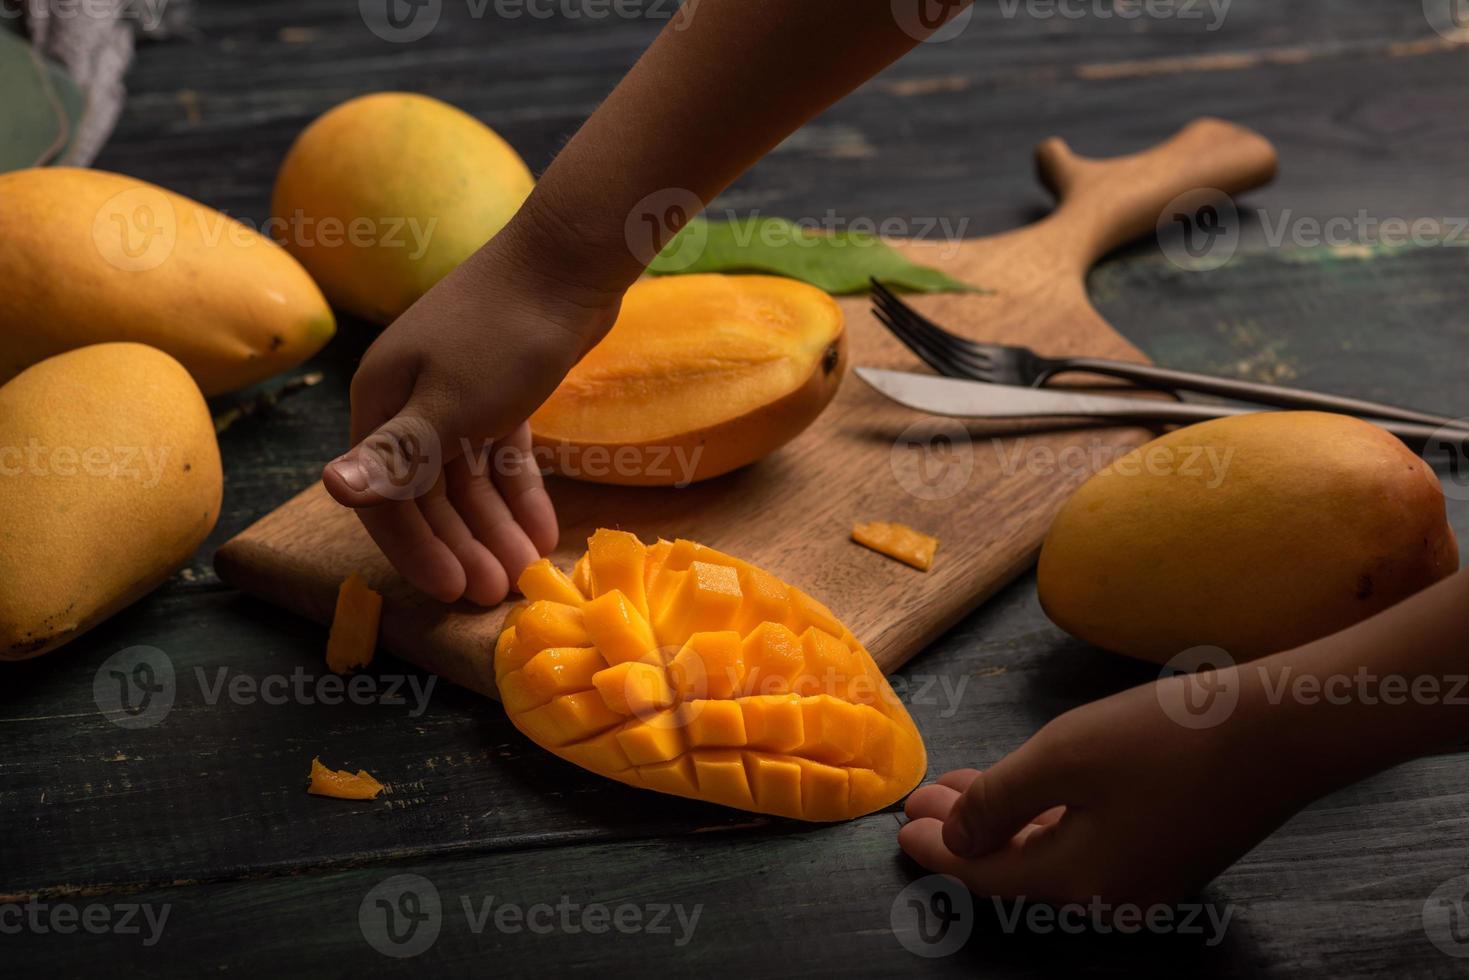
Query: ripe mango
90, 257
385, 194
109, 480
682, 670
1254, 534
700, 375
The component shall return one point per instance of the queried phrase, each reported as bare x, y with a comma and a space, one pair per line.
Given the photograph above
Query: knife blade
961, 398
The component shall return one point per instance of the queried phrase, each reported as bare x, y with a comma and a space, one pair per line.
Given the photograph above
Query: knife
960, 398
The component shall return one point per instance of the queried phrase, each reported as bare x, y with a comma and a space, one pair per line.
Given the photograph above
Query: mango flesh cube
682, 670
617, 628
721, 777
633, 688
774, 722
552, 624
543, 580
710, 665
549, 673
776, 782
715, 723
705, 598
616, 560
773, 659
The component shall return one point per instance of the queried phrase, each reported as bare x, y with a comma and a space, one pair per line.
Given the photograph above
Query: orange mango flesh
354, 626
685, 671
342, 785
700, 374
898, 541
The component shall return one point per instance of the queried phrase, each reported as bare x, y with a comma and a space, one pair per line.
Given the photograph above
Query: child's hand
1114, 801
441, 473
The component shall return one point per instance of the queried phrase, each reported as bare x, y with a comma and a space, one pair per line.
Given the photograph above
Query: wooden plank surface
205, 812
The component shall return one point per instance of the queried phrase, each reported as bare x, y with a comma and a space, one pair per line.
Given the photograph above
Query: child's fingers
1019, 868
491, 520
1002, 800
935, 801
959, 779
519, 480
407, 541
485, 581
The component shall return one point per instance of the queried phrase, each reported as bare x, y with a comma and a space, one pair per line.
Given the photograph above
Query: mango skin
109, 480
1305, 524
427, 183
91, 257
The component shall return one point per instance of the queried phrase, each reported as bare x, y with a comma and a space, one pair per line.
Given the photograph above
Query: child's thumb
1001, 801
400, 460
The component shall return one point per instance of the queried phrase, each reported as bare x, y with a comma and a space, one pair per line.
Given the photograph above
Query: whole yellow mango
90, 257
109, 480
386, 194
1254, 534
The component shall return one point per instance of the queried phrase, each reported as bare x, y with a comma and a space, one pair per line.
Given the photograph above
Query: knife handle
1250, 391
1105, 203
1416, 435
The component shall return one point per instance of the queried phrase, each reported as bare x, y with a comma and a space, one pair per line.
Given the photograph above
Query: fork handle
1416, 435
1250, 391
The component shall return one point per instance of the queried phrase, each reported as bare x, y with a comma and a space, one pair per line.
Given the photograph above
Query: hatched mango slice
897, 541
682, 670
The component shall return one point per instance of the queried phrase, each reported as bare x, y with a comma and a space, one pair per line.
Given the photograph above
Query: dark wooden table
203, 815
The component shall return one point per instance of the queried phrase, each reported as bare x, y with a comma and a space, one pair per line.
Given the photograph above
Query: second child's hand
1143, 798
724, 83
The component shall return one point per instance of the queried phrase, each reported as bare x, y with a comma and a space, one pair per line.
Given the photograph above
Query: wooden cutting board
987, 490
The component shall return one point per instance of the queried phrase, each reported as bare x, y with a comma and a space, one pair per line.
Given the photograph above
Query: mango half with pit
683, 670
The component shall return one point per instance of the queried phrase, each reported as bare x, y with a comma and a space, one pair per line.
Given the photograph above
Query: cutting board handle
1105, 203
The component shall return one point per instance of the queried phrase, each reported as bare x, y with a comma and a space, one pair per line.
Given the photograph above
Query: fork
959, 357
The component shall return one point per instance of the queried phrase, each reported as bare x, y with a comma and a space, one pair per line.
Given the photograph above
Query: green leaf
40, 107
840, 263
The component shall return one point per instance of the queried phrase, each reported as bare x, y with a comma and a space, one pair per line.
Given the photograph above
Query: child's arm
1154, 809
721, 86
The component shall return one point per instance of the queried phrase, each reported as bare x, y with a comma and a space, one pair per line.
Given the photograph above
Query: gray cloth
94, 40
